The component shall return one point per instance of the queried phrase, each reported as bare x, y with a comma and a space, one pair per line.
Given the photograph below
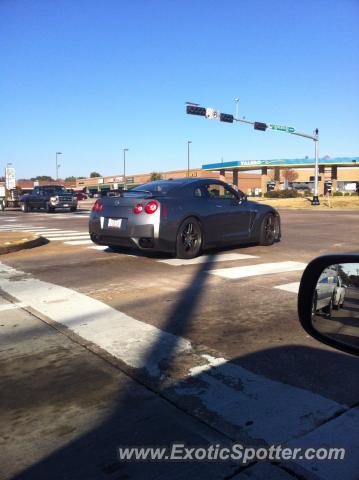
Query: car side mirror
328, 301
240, 199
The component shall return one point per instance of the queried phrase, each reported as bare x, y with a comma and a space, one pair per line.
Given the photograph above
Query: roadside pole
315, 200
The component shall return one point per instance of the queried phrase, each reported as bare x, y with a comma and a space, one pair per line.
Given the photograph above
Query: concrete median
15, 241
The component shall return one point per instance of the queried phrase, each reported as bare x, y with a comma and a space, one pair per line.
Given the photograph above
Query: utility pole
124, 168
57, 165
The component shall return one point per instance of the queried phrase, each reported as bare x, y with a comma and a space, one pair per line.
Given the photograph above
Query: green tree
155, 176
70, 179
42, 177
95, 174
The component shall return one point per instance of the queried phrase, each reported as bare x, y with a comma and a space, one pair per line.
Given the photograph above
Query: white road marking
78, 238
222, 257
10, 220
254, 406
289, 287
99, 247
30, 228
66, 234
11, 306
260, 269
79, 242
9, 227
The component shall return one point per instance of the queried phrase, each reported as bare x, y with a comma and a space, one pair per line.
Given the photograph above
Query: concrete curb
22, 245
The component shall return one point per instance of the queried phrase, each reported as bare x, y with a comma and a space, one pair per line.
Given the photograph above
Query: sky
89, 78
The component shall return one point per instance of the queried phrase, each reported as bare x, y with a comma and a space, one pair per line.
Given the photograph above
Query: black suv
48, 197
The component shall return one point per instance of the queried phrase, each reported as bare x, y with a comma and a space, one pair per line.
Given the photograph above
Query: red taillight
138, 208
151, 207
97, 207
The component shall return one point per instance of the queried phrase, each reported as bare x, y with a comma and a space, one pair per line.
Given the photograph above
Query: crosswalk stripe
75, 237
28, 228
260, 269
79, 242
223, 257
289, 287
99, 247
66, 234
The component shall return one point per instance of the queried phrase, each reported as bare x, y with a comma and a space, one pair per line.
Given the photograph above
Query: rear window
54, 190
158, 187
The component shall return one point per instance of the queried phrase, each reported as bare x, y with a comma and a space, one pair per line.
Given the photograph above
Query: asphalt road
235, 306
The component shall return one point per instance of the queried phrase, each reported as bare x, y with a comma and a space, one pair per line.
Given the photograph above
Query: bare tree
290, 175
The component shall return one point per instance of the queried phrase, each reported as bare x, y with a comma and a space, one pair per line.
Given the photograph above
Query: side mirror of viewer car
328, 301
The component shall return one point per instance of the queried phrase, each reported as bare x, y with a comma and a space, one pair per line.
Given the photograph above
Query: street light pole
188, 144
124, 168
57, 165
237, 106
315, 200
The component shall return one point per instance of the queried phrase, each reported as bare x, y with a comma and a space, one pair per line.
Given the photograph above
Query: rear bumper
133, 236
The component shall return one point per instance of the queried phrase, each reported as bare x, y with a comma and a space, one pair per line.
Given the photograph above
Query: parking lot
213, 342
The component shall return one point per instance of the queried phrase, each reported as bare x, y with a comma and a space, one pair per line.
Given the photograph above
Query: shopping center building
251, 176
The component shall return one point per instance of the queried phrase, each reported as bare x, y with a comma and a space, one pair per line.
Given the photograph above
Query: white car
339, 294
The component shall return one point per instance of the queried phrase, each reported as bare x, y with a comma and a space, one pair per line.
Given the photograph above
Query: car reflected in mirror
328, 301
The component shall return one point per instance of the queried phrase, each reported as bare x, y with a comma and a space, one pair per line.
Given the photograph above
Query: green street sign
281, 128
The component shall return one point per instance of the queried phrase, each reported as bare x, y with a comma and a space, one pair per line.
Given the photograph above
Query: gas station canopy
291, 163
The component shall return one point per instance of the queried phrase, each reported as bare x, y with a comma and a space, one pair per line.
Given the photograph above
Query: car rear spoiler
147, 192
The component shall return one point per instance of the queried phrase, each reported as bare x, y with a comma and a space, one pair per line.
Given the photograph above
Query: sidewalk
64, 411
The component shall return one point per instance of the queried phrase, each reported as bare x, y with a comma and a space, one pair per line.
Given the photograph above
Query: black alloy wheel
189, 239
269, 230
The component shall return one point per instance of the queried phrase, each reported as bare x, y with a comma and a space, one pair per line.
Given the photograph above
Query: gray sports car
183, 217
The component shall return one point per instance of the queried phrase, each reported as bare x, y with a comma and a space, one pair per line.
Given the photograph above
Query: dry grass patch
351, 202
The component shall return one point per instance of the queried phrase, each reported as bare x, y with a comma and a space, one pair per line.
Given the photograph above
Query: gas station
334, 170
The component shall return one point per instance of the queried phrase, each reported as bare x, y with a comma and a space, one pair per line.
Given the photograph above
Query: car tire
2, 206
269, 230
328, 309
25, 208
49, 208
189, 239
73, 209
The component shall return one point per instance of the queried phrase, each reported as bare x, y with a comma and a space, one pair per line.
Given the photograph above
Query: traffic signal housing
260, 126
328, 186
226, 117
194, 110
270, 186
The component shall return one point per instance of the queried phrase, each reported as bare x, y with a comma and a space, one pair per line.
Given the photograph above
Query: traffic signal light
260, 126
194, 110
328, 186
270, 186
226, 117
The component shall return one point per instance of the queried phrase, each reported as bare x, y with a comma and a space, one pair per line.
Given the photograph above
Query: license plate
66, 204
114, 222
